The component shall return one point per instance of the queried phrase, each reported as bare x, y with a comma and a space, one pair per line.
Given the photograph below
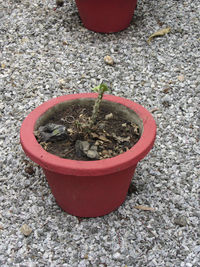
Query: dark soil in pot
62, 133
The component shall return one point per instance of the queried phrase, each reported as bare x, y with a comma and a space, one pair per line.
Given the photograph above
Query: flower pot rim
84, 168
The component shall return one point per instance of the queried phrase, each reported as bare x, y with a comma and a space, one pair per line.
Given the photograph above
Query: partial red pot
89, 188
106, 16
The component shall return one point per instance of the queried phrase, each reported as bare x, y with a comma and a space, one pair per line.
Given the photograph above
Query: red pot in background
88, 188
106, 16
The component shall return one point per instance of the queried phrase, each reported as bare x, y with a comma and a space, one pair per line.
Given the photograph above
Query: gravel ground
46, 53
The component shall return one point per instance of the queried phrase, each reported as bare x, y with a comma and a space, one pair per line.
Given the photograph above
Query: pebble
117, 255
109, 60
29, 170
26, 230
180, 220
181, 78
109, 116
93, 154
85, 148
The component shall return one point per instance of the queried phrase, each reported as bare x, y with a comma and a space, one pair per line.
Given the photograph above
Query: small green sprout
100, 89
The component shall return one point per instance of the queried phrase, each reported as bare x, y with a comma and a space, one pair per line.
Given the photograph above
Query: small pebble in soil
84, 148
92, 154
109, 116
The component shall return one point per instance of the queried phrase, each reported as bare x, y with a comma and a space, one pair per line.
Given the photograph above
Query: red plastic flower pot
88, 188
106, 16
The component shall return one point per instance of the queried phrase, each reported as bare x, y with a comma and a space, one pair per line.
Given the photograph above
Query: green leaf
101, 88
96, 89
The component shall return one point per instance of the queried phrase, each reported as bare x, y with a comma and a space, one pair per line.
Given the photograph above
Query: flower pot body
88, 188
106, 16
90, 196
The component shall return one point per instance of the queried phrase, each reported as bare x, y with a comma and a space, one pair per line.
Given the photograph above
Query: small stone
93, 148
3, 65
124, 125
24, 40
181, 78
166, 90
180, 220
93, 154
61, 81
108, 60
117, 255
29, 170
57, 66
166, 98
109, 116
84, 146
26, 230
166, 101
81, 147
